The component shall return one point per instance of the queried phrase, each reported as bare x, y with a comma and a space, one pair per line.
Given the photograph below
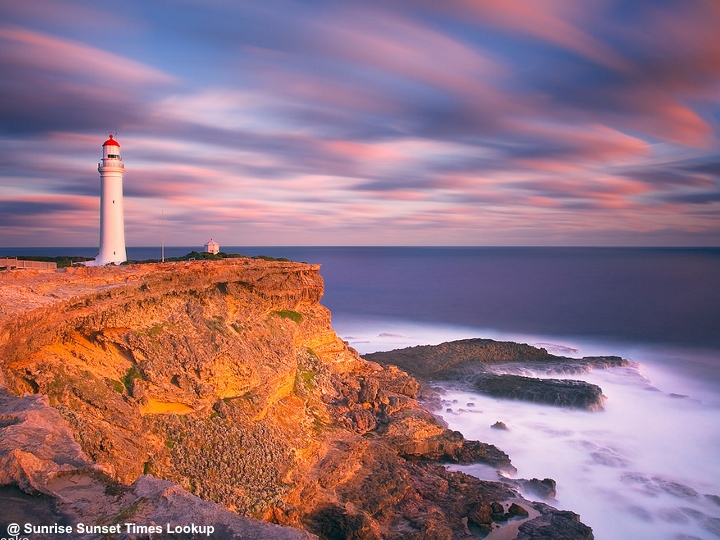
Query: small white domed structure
212, 247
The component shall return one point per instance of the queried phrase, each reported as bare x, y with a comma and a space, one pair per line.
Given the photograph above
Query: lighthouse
112, 222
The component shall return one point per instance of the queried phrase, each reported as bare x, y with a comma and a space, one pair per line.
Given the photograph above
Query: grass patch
171, 441
192, 256
307, 377
155, 330
289, 314
305, 381
126, 512
65, 261
216, 324
267, 258
132, 374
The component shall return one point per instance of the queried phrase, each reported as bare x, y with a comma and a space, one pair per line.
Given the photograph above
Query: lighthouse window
113, 155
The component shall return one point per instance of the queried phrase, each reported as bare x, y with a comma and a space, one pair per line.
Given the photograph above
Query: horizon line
469, 246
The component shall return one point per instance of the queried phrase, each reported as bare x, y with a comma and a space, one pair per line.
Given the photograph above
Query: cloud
697, 173
53, 83
671, 74
699, 197
46, 212
72, 15
549, 21
38, 52
580, 142
466, 122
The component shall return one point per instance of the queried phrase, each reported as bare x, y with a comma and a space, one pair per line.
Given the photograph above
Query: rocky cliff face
39, 455
227, 379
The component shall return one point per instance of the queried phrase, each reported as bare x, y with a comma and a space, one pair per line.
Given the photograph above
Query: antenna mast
163, 235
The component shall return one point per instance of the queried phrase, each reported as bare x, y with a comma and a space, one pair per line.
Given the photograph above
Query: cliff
227, 379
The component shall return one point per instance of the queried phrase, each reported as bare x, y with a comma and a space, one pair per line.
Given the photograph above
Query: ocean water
648, 466
636, 295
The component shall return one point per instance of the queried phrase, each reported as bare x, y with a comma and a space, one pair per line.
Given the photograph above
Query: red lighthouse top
111, 142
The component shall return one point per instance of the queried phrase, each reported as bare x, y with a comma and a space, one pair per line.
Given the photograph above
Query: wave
644, 467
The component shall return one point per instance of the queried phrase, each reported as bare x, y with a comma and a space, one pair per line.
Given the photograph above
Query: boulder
481, 515
455, 356
545, 489
556, 524
517, 510
559, 392
369, 388
361, 420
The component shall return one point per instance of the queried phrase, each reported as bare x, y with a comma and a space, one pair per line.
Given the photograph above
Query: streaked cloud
462, 122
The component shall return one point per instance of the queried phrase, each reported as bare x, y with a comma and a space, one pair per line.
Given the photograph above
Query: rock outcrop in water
559, 392
461, 356
224, 380
495, 368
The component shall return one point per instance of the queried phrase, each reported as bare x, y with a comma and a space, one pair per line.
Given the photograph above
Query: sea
648, 465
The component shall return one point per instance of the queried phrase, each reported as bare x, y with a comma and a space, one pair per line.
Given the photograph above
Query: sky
345, 122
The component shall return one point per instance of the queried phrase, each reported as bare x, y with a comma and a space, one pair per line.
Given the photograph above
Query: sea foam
645, 467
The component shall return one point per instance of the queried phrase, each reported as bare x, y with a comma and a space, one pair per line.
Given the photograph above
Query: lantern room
111, 149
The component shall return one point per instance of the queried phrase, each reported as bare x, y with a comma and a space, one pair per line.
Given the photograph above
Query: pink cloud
581, 142
686, 46
56, 200
70, 13
668, 119
316, 97
402, 48
553, 21
364, 151
48, 215
546, 202
597, 187
603, 144
675, 60
49, 54
293, 86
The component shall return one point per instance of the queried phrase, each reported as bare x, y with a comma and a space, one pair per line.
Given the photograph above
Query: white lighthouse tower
112, 222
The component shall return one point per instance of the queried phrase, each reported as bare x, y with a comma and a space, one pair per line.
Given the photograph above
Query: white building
112, 222
212, 247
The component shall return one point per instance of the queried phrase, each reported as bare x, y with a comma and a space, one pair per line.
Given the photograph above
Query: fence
11, 263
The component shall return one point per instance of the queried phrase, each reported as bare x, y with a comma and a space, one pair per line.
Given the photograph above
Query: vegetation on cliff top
205, 256
64, 261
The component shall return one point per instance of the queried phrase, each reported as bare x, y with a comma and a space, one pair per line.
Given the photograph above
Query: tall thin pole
163, 235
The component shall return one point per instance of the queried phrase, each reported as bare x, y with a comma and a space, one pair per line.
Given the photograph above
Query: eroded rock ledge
226, 380
500, 368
